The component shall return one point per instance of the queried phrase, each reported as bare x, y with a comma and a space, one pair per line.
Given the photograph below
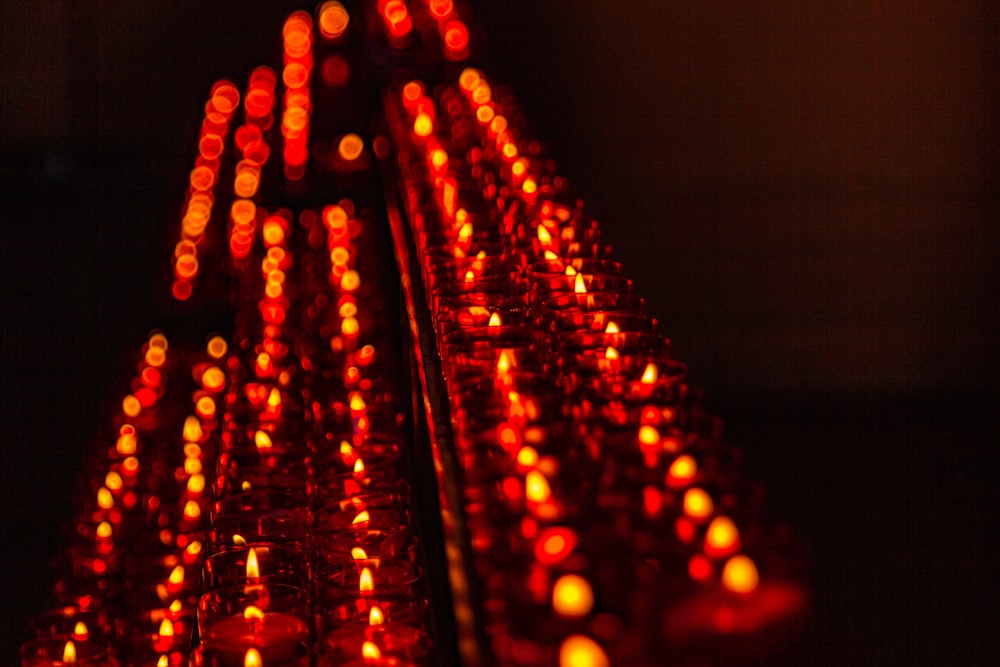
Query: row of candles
607, 518
255, 509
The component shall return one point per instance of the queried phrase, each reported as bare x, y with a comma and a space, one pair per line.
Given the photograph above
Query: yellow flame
253, 569
581, 651
104, 499
505, 362
366, 583
369, 651
572, 595
683, 469
192, 429
740, 575
465, 233
375, 616
69, 652
167, 628
579, 286
470, 276
252, 658
192, 510
196, 483
357, 553
104, 530
698, 504
359, 467
544, 236
239, 541
113, 481
495, 320
650, 375
176, 606
527, 457
80, 630
274, 399
648, 435
357, 402
536, 487
612, 328
176, 575
253, 613
722, 533
611, 353
362, 517
163, 661
262, 440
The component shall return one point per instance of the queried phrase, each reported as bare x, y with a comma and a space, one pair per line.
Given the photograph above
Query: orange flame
740, 575
495, 320
370, 652
357, 553
375, 616
366, 583
253, 568
611, 353
253, 613
536, 487
572, 596
176, 576
69, 652
252, 658
362, 517
80, 630
612, 328
582, 651
166, 628
650, 375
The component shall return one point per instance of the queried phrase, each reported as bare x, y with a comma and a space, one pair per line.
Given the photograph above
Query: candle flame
362, 517
470, 277
536, 487
104, 530
239, 540
527, 457
357, 402
262, 440
612, 328
192, 510
166, 628
465, 233
611, 353
581, 651
650, 375
698, 504
252, 658
375, 616
192, 429
722, 535
505, 362
740, 575
163, 661
80, 630
572, 596
570, 271
682, 471
176, 576
495, 320
369, 651
366, 583
359, 468
544, 236
253, 613
104, 499
346, 451
176, 606
649, 436
196, 484
357, 553
253, 568
579, 286
274, 399
69, 652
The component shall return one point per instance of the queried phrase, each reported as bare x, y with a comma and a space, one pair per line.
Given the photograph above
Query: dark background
805, 192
